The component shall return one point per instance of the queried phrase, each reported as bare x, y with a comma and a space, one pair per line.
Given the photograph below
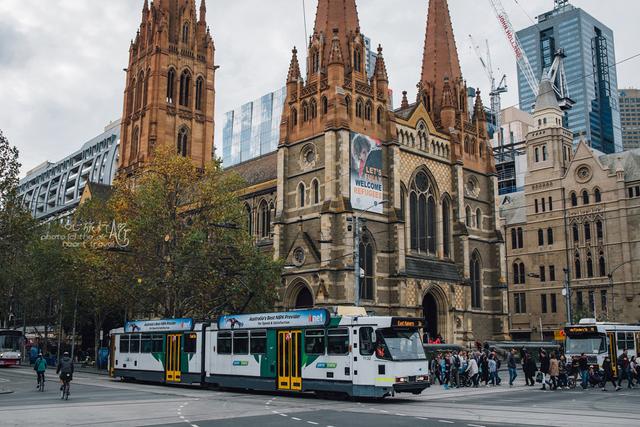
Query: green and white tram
305, 350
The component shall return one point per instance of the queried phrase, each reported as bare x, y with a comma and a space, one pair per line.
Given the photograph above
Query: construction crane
496, 88
514, 42
558, 78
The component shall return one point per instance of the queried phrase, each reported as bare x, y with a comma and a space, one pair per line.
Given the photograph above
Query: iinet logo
313, 318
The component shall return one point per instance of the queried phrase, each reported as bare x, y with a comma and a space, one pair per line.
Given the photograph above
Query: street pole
613, 307
356, 256
73, 334
567, 295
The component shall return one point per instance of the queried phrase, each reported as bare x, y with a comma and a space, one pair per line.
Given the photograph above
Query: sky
61, 61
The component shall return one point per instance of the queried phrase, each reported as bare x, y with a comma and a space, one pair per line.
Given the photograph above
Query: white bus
599, 339
10, 347
305, 350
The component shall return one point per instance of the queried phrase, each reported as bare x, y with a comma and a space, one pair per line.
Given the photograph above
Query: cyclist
40, 366
65, 369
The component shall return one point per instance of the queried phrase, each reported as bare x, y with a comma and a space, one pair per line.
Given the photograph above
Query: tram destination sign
162, 325
301, 318
577, 330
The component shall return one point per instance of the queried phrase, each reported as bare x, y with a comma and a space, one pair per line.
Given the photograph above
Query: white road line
312, 422
275, 412
194, 425
382, 410
445, 421
475, 425
295, 418
283, 415
401, 415
182, 416
422, 418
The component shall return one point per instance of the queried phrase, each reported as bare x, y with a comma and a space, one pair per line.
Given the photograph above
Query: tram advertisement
162, 325
366, 173
300, 318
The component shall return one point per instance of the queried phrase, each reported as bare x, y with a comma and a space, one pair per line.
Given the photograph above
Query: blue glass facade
590, 69
253, 129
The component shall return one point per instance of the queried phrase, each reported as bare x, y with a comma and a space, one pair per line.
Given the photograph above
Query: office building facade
590, 70
52, 191
630, 118
511, 162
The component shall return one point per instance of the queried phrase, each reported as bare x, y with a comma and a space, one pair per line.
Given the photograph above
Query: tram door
289, 360
172, 362
613, 353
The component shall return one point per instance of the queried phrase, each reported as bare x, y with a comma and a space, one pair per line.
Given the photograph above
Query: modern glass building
590, 69
630, 118
253, 129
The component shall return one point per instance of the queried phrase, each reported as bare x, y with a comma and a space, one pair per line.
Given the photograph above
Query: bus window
366, 341
258, 342
224, 342
314, 341
145, 344
241, 342
134, 343
338, 341
625, 341
156, 343
190, 343
124, 343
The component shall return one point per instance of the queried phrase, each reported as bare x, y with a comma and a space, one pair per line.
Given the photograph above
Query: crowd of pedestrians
454, 369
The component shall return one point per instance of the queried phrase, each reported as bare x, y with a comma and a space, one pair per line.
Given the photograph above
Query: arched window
481, 150
313, 107
379, 115
249, 219
183, 142
315, 186
468, 216
185, 32
139, 86
171, 83
589, 265
359, 107
576, 233
305, 111
599, 230
544, 153
145, 90
516, 273
367, 264
466, 145
476, 282
520, 238
131, 94
301, 195
423, 214
574, 199
597, 196
367, 110
325, 105
540, 237
478, 219
585, 197
514, 239
185, 84
199, 89
576, 263
294, 117
602, 266
357, 59
135, 141
522, 273
537, 153
587, 231
446, 228
264, 219
315, 60
549, 236
347, 101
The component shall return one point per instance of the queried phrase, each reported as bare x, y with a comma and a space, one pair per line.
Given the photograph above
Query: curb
6, 391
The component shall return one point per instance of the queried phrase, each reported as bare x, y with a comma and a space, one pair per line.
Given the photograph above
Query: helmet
40, 354
66, 353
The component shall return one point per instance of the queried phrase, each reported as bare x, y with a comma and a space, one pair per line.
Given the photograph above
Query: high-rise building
253, 129
169, 93
53, 190
630, 118
590, 70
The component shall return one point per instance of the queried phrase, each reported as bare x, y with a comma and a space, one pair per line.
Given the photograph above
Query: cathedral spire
380, 70
336, 14
203, 11
440, 57
294, 67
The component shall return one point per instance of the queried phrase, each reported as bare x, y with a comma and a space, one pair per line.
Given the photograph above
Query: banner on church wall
367, 190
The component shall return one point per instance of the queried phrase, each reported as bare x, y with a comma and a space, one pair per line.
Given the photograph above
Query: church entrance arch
300, 295
434, 310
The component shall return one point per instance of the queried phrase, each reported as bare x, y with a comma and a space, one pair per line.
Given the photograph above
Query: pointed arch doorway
304, 299
430, 313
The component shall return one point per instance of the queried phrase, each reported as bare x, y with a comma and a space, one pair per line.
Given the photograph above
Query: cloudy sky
61, 61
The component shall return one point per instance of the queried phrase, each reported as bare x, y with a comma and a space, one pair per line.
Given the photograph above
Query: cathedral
404, 197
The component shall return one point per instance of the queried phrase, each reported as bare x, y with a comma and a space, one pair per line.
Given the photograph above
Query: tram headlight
401, 379
422, 378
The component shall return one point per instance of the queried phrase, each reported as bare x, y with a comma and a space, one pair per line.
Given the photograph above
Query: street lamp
610, 277
358, 272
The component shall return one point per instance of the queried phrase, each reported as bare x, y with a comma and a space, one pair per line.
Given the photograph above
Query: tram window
366, 341
190, 343
224, 342
134, 343
156, 343
314, 341
124, 344
258, 342
241, 342
337, 341
145, 344
625, 341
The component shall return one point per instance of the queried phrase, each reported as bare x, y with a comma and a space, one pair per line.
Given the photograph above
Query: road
99, 400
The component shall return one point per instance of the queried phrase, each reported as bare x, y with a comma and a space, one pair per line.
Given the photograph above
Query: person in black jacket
608, 374
529, 367
544, 368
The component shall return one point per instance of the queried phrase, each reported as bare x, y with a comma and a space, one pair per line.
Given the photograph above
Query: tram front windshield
401, 344
9, 342
590, 344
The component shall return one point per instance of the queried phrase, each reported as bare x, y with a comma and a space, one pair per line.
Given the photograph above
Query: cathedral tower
169, 94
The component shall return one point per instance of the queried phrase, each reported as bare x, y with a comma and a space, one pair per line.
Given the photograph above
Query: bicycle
66, 386
40, 381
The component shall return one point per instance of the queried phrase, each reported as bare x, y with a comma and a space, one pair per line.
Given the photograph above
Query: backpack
41, 365
456, 361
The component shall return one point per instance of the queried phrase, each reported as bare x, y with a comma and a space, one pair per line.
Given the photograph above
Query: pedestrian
484, 368
562, 378
498, 364
625, 369
511, 364
554, 371
530, 369
472, 370
493, 368
634, 370
583, 367
456, 363
544, 368
608, 374
443, 373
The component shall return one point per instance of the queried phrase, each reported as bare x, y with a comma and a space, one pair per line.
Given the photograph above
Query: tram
10, 347
599, 339
299, 351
